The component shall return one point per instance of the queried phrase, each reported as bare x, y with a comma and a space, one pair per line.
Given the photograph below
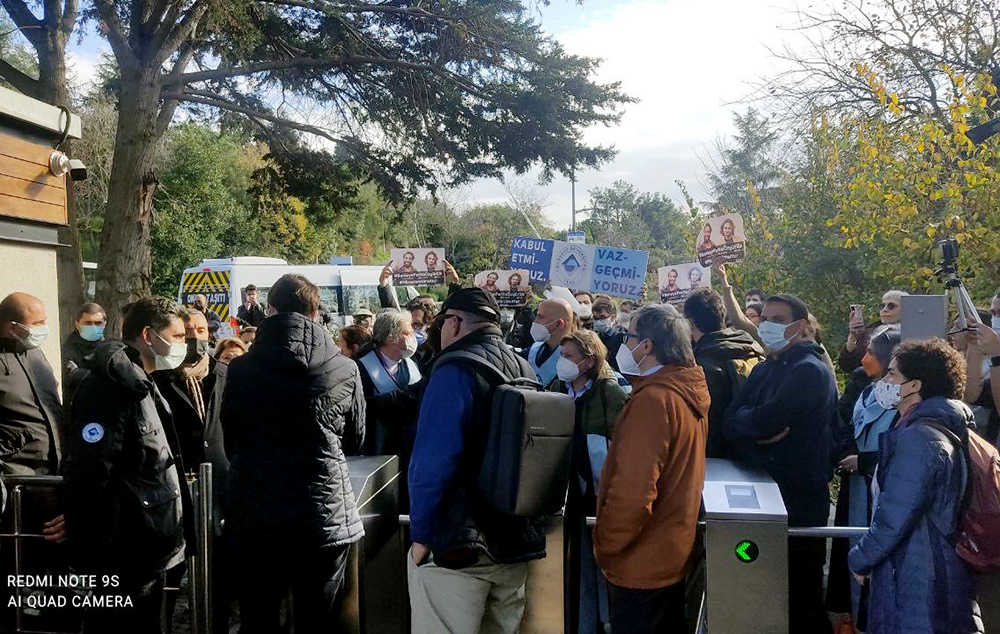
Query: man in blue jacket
468, 564
781, 423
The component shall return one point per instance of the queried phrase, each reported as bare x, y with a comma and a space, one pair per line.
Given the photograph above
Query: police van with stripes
344, 289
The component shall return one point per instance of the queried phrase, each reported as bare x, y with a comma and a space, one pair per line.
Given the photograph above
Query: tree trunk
52, 88
124, 260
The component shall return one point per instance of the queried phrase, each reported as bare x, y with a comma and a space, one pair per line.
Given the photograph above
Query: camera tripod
954, 288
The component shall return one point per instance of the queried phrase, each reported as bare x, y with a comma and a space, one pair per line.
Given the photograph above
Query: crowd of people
657, 391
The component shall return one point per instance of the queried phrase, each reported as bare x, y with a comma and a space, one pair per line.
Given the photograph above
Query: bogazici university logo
571, 267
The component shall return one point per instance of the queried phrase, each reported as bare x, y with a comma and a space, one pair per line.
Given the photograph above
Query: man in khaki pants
468, 564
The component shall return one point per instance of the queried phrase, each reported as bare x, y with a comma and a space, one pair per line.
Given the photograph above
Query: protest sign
509, 288
582, 267
533, 255
722, 240
678, 280
417, 267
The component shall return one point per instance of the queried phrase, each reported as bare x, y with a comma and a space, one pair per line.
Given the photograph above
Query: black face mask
197, 348
199, 306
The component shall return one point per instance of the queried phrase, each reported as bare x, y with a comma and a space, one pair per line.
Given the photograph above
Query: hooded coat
727, 357
292, 408
798, 392
650, 488
918, 583
123, 497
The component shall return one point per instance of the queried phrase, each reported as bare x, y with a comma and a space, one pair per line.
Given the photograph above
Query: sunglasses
889, 305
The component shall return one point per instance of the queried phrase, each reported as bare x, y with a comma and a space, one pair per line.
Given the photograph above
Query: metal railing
200, 565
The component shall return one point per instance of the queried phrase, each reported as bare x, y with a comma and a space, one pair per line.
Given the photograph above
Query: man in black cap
468, 563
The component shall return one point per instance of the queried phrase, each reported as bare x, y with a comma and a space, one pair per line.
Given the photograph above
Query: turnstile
374, 595
746, 543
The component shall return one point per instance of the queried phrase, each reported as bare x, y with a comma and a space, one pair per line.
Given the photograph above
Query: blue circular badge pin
93, 432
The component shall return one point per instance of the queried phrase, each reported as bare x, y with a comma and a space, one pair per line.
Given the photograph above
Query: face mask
196, 349
91, 332
602, 325
995, 323
566, 370
887, 395
411, 347
625, 320
421, 337
585, 312
36, 336
540, 332
626, 361
173, 359
773, 335
199, 306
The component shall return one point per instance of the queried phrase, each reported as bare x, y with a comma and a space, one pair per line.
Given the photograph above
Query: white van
343, 289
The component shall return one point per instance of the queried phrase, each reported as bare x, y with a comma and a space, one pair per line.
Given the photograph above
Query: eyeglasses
448, 316
889, 305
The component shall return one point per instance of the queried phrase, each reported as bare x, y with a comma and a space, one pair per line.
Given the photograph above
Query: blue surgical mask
773, 335
421, 336
91, 332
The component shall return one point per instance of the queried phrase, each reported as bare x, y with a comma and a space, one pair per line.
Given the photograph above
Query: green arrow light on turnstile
747, 551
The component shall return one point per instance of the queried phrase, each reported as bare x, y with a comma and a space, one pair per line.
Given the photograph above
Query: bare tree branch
24, 20
116, 35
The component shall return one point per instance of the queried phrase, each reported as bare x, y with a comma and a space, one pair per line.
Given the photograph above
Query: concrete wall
32, 269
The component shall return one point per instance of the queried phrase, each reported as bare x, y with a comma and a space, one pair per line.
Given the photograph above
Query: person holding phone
861, 333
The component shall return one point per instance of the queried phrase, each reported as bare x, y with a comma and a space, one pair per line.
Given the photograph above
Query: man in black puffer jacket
124, 497
293, 407
468, 564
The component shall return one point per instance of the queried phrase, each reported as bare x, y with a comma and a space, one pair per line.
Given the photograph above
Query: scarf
193, 375
870, 420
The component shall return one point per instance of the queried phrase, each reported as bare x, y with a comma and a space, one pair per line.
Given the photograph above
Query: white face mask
626, 360
886, 394
540, 332
173, 359
773, 335
585, 311
995, 323
566, 370
411, 347
36, 336
625, 320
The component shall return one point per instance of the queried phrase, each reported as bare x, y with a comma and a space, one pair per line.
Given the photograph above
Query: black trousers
315, 579
806, 608
659, 611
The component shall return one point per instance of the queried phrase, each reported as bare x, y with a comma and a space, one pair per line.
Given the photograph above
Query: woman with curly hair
918, 583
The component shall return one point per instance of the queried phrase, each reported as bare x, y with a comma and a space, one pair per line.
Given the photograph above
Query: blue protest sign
619, 272
534, 255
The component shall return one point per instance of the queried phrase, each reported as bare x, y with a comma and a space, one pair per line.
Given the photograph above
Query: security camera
77, 170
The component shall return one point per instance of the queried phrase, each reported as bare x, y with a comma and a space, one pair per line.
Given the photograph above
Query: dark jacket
727, 357
293, 406
850, 360
74, 349
30, 412
612, 337
918, 583
216, 447
253, 317
188, 424
395, 412
122, 490
796, 391
519, 334
446, 511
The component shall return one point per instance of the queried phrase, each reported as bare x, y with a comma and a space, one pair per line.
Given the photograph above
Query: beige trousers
485, 598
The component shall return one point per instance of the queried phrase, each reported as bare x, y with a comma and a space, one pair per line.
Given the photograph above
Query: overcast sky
686, 61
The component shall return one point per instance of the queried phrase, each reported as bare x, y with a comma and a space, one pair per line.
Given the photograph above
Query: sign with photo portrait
722, 240
509, 287
678, 280
417, 267
582, 267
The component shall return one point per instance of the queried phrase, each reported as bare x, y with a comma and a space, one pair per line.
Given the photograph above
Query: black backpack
526, 465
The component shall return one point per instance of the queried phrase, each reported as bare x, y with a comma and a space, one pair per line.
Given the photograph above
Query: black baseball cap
474, 300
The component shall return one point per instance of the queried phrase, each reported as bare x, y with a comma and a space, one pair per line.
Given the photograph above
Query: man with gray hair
650, 491
389, 377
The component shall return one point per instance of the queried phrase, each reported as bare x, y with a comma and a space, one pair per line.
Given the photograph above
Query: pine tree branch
172, 40
210, 99
23, 83
126, 57
68, 21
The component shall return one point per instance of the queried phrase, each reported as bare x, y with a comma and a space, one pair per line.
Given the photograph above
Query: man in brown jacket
650, 489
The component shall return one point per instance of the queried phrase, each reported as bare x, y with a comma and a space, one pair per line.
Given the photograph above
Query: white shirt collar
652, 370
574, 393
390, 364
